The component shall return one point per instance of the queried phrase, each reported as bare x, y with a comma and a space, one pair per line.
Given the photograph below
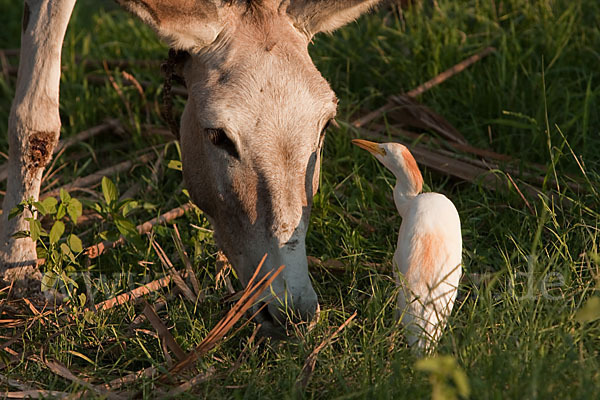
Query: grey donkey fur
251, 131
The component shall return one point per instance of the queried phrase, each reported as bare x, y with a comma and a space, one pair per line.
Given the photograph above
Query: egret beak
371, 147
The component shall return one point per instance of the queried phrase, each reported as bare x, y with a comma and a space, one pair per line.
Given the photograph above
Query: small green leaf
75, 243
68, 280
56, 232
109, 235
125, 227
128, 230
62, 211
18, 209
40, 207
35, 228
590, 311
149, 206
65, 197
88, 316
175, 164
82, 300
129, 206
162, 231
48, 281
49, 204
447, 378
21, 235
109, 190
41, 252
75, 209
67, 251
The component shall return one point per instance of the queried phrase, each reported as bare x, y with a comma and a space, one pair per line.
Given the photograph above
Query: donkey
251, 131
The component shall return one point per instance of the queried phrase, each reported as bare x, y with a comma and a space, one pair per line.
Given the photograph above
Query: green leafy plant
447, 378
59, 251
117, 211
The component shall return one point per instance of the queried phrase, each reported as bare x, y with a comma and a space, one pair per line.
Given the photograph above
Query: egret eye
218, 137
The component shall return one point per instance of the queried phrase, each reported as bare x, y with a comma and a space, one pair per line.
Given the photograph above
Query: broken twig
461, 66
97, 249
163, 331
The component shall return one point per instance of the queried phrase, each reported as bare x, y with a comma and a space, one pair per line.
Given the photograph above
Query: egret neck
399, 160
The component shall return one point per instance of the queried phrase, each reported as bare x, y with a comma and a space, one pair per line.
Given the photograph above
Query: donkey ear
183, 24
314, 16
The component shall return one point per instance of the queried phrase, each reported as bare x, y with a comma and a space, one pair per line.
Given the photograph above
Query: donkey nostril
264, 315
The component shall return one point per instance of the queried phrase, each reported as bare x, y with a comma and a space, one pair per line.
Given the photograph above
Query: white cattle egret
427, 262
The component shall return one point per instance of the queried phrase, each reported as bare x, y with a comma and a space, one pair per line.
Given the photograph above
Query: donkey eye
324, 131
325, 127
219, 138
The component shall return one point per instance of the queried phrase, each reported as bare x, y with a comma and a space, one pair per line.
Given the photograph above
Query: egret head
398, 159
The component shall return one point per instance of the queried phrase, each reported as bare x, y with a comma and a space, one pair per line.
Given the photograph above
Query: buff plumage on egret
427, 261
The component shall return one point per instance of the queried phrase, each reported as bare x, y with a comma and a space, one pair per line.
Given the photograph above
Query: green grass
514, 333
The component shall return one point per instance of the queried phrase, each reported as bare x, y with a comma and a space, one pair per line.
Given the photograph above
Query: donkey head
253, 126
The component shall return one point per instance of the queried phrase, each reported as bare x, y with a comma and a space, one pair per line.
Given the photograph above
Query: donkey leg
33, 126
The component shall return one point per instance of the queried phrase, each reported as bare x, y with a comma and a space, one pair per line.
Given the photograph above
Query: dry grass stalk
184, 387
158, 131
96, 177
163, 331
97, 249
423, 138
14, 383
165, 218
251, 294
249, 343
409, 112
187, 292
98, 79
461, 66
133, 377
223, 269
158, 305
129, 77
119, 92
250, 319
210, 373
10, 342
39, 315
330, 265
19, 357
186, 260
11, 323
311, 360
51, 172
108, 126
521, 194
36, 394
64, 372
